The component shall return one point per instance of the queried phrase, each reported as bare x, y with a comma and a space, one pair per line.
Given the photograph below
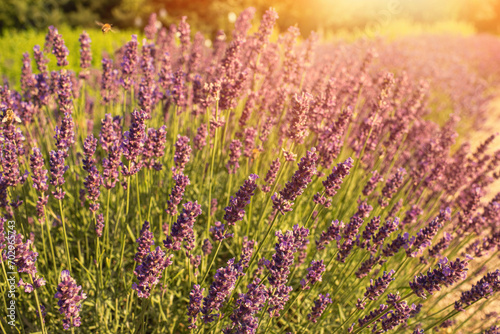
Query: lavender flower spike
333, 182
315, 271
235, 211
195, 298
145, 242
319, 307
296, 186
70, 300
149, 272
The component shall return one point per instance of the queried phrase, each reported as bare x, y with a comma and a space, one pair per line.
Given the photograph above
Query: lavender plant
283, 193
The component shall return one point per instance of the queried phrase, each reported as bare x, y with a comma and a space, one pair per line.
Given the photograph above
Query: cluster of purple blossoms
154, 147
279, 266
57, 170
296, 186
181, 182
350, 232
384, 231
39, 177
133, 140
234, 156
298, 126
70, 300
65, 134
447, 274
200, 140
332, 233
391, 187
219, 232
25, 261
222, 286
206, 248
378, 287
271, 175
367, 266
393, 248
442, 244
244, 318
249, 134
99, 225
424, 236
129, 63
59, 49
412, 215
182, 154
246, 252
85, 52
369, 232
150, 270
484, 288
145, 241
319, 307
235, 211
194, 307
333, 182
401, 313
314, 274
182, 229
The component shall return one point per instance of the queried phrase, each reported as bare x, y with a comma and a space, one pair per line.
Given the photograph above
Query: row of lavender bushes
249, 186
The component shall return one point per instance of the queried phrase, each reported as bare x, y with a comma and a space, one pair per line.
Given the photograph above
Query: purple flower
271, 175
391, 187
133, 140
298, 129
182, 229
333, 181
106, 80
207, 247
235, 211
447, 273
250, 134
165, 76
244, 318
110, 132
57, 170
70, 300
194, 307
246, 252
219, 233
247, 110
99, 225
314, 273
223, 284
296, 186
60, 50
129, 63
65, 134
319, 307
243, 23
64, 91
182, 154
85, 52
484, 288
25, 261
181, 181
234, 156
92, 184
394, 247
149, 272
378, 287
367, 266
384, 231
200, 140
372, 183
332, 233
185, 38
372, 315
155, 147
145, 241
425, 235
412, 215
442, 244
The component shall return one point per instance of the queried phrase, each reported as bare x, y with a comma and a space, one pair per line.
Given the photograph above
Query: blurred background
329, 17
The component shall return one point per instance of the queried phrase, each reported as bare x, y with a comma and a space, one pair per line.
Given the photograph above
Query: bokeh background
328, 16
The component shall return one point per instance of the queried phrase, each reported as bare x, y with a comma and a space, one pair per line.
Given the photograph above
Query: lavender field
259, 182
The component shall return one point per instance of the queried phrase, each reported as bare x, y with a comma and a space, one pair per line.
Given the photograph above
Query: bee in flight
105, 27
10, 117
